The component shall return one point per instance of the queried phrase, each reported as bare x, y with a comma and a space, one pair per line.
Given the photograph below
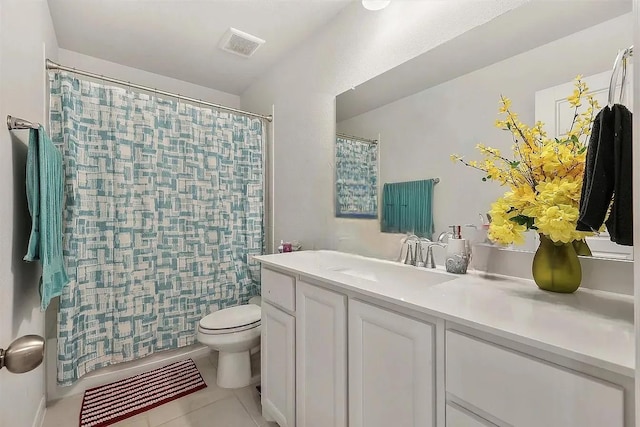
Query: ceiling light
375, 4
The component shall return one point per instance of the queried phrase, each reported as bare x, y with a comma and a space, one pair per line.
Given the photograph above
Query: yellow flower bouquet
544, 174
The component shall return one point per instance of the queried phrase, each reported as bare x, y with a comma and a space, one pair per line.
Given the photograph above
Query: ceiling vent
240, 43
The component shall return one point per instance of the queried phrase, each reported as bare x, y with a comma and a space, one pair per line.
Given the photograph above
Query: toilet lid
232, 317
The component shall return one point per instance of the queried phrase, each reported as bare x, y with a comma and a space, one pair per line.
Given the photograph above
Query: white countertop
594, 327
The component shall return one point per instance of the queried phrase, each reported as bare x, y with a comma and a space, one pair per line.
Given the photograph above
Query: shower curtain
163, 214
356, 178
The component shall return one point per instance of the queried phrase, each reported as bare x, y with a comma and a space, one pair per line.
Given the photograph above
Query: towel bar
16, 123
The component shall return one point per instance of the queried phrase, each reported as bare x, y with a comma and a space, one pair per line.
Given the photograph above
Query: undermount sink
368, 275
381, 271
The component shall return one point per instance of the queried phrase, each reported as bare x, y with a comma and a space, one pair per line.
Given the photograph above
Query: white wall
353, 48
419, 133
135, 75
26, 37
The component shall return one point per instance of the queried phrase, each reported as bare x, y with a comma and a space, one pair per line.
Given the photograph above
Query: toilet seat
231, 320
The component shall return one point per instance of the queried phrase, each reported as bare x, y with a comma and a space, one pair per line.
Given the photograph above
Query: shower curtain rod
357, 138
50, 65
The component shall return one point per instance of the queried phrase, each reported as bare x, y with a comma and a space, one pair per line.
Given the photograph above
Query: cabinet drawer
523, 391
459, 418
279, 289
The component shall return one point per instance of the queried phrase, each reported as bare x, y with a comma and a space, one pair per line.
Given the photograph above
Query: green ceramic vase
581, 247
556, 267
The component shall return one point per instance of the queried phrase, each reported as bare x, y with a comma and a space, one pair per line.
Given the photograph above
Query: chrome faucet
407, 240
413, 255
420, 262
409, 257
444, 234
430, 262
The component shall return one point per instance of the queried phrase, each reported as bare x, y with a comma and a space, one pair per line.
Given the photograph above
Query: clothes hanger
620, 62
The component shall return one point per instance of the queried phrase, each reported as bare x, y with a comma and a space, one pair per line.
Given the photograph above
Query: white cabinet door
391, 369
321, 357
278, 365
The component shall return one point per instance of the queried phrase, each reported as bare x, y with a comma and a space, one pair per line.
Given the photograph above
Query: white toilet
233, 332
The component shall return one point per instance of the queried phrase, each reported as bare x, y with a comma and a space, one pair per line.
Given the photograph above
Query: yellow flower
544, 174
502, 229
524, 195
574, 98
500, 124
505, 104
558, 223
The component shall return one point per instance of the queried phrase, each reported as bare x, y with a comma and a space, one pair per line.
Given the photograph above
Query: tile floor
210, 407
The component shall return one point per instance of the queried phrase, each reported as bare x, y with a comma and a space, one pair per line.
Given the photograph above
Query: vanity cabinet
391, 369
333, 357
321, 357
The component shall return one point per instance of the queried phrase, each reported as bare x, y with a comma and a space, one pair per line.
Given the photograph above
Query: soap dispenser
457, 259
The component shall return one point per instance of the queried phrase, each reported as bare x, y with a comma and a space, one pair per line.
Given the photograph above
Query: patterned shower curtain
356, 178
163, 214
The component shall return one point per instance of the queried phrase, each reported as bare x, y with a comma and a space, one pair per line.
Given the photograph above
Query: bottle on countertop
281, 247
458, 255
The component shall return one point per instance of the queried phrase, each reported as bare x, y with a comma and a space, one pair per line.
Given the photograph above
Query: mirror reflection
447, 101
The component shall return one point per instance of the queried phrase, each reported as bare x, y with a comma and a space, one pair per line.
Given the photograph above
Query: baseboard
38, 420
270, 413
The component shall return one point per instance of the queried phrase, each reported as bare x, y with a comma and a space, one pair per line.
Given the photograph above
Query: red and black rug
110, 403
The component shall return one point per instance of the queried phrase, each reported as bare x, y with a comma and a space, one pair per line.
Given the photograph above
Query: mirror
446, 101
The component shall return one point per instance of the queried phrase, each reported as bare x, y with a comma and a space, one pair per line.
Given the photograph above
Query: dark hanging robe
608, 176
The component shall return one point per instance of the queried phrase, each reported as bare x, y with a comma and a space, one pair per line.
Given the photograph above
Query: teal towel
44, 197
407, 207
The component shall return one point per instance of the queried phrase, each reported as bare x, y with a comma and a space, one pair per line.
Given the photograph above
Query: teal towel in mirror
44, 197
407, 207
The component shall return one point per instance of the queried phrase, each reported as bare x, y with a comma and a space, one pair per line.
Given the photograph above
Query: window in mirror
356, 177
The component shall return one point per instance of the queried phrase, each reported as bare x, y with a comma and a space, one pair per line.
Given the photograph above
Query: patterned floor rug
108, 404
